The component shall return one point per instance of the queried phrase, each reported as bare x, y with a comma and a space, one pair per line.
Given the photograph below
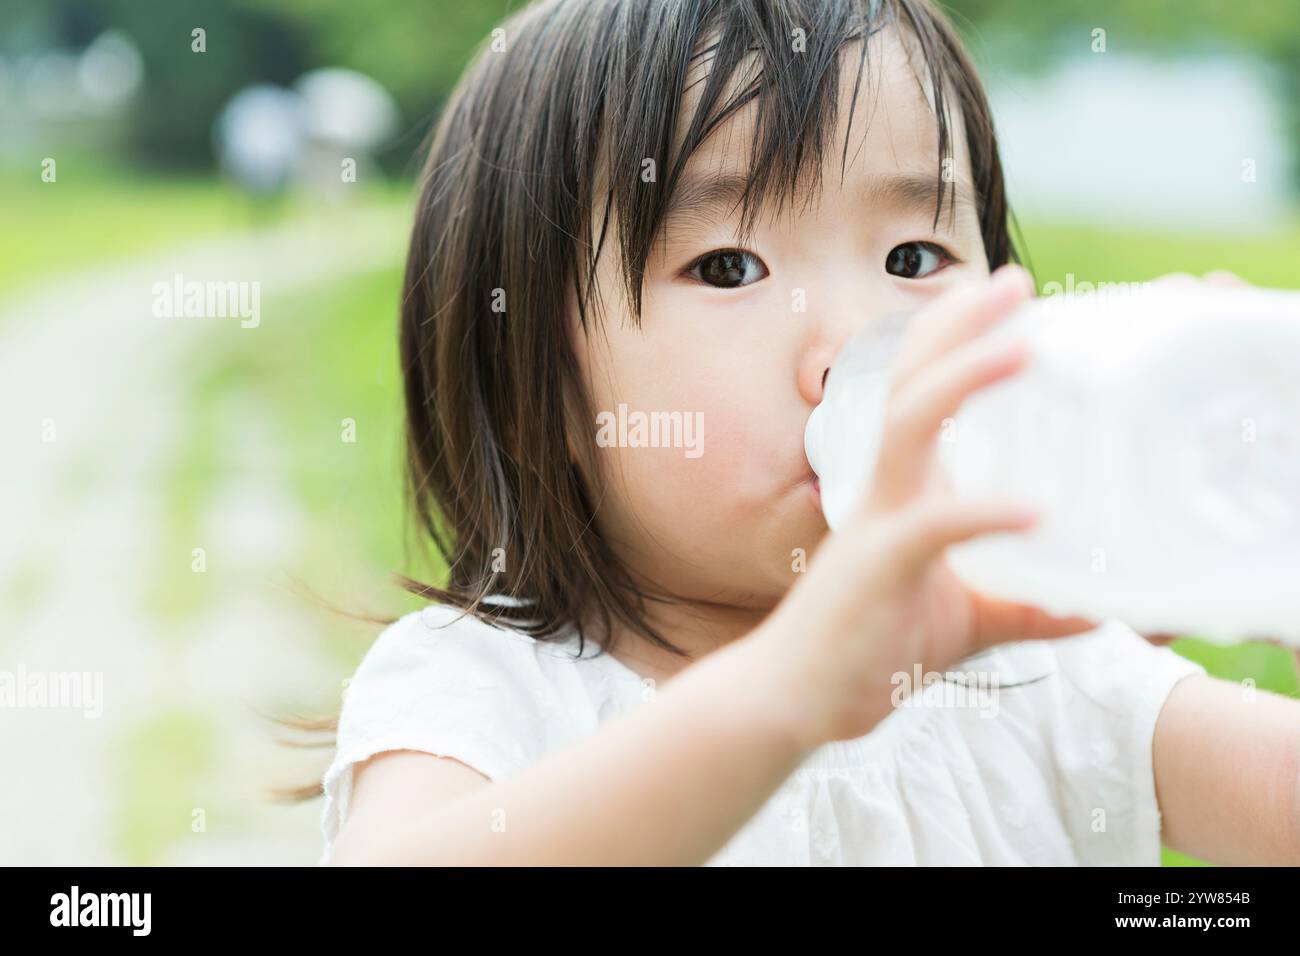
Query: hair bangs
783, 58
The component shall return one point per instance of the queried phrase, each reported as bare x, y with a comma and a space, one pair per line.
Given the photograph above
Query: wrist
772, 694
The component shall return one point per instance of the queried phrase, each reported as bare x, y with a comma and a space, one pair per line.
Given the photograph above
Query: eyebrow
697, 195
913, 192
908, 192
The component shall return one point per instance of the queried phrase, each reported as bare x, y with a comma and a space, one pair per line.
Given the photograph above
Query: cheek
694, 510
698, 447
732, 366
745, 428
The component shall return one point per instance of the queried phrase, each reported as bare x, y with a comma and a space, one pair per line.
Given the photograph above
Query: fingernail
1013, 275
1026, 516
1001, 351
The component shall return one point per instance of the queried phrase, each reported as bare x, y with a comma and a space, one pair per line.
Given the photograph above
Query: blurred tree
188, 89
171, 122
417, 48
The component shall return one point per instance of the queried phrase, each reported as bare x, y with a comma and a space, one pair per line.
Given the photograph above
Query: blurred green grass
95, 215
1131, 255
331, 356
89, 217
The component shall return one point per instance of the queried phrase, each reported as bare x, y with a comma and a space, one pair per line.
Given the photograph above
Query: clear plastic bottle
1155, 430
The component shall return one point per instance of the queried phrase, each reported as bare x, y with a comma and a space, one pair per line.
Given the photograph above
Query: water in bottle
1156, 431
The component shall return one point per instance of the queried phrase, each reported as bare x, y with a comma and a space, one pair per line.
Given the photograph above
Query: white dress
1055, 772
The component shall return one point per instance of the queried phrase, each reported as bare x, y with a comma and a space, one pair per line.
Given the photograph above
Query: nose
835, 315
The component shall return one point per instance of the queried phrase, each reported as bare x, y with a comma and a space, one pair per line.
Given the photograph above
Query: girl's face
739, 340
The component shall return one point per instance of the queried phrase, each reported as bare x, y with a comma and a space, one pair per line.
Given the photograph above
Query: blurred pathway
93, 393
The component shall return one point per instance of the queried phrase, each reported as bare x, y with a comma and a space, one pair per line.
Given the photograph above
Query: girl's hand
879, 598
1217, 277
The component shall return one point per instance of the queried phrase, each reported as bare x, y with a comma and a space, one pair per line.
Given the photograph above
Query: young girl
651, 650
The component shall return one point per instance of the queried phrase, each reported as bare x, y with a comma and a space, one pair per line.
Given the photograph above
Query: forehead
883, 135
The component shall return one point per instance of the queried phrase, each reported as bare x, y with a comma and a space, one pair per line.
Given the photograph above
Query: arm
667, 784
1227, 771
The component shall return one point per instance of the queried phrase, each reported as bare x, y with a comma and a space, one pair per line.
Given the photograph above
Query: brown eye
728, 268
916, 260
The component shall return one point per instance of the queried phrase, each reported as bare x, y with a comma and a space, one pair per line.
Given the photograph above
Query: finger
1176, 278
998, 621
918, 411
959, 316
1225, 279
922, 532
1160, 639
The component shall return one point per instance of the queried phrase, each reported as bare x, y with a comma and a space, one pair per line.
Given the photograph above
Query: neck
697, 629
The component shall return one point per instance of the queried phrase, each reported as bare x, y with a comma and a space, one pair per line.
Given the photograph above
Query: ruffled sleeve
1113, 684
445, 684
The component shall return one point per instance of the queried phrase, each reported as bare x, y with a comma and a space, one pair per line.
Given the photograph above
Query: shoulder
1069, 740
443, 682
445, 648
1099, 722
441, 664
1109, 682
1110, 669
1111, 686
1114, 667
441, 671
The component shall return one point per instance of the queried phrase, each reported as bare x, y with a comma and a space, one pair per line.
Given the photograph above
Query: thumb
1224, 278
997, 621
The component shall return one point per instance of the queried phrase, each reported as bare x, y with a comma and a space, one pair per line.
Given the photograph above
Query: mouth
815, 489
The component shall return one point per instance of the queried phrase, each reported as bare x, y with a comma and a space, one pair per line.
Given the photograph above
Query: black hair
545, 138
